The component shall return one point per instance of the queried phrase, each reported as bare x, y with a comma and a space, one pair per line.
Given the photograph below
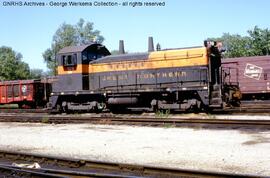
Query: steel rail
79, 168
126, 119
8, 171
58, 173
246, 107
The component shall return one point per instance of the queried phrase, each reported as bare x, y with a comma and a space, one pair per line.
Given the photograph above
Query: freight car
25, 93
253, 75
91, 79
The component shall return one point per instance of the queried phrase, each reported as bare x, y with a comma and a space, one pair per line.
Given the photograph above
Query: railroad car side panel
27, 93
175, 68
253, 75
173, 78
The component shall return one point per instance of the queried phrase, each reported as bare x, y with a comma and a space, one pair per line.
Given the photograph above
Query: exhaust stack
121, 47
150, 44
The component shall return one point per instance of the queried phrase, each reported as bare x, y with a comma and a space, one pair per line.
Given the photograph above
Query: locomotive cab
73, 62
73, 72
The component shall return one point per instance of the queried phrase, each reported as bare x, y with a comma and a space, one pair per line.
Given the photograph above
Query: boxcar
252, 73
25, 93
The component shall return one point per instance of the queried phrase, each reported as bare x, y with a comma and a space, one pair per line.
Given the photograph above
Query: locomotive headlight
52, 94
62, 93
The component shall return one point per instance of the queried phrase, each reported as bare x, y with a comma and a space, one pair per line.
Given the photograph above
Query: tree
235, 45
115, 52
260, 41
11, 65
37, 73
257, 43
70, 35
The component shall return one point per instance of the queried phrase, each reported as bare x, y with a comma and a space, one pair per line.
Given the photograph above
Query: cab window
69, 60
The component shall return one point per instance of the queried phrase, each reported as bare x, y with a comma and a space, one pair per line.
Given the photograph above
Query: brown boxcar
25, 93
252, 73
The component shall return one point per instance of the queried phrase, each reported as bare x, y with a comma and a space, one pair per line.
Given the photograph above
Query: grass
45, 119
210, 116
162, 113
167, 125
9, 106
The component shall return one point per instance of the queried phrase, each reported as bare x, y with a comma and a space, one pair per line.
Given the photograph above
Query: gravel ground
236, 151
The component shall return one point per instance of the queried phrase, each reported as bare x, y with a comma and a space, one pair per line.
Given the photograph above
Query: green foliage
257, 43
45, 119
70, 35
210, 116
11, 65
115, 52
37, 73
235, 45
168, 125
9, 106
162, 113
260, 41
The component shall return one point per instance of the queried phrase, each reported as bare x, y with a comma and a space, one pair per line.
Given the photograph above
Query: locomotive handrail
229, 74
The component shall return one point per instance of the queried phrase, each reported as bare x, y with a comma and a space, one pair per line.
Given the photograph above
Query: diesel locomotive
91, 79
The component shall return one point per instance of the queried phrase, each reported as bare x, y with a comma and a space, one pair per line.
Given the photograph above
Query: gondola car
91, 79
25, 93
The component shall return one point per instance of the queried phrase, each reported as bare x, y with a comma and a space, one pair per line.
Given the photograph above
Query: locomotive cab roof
83, 54
90, 46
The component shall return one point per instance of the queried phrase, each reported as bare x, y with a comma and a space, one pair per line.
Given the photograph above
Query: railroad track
184, 121
15, 164
247, 107
17, 110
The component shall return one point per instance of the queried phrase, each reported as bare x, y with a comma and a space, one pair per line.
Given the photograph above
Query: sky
180, 23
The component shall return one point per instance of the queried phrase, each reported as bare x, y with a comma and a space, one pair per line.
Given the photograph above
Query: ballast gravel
234, 151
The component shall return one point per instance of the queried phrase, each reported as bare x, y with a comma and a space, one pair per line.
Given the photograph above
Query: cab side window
69, 60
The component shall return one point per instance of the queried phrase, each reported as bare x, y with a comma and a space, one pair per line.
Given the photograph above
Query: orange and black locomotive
91, 79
